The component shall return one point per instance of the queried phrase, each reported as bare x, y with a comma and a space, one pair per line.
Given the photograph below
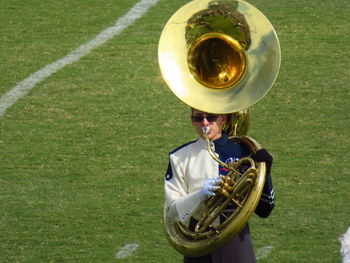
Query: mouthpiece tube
206, 130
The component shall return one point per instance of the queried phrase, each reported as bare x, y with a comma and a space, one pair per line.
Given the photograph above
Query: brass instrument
241, 189
220, 56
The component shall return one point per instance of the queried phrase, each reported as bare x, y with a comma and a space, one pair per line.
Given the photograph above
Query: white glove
209, 188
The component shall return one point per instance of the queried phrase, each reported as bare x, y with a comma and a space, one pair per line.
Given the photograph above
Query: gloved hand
263, 156
209, 188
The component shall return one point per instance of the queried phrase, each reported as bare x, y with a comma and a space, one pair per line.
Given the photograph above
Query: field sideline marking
23, 87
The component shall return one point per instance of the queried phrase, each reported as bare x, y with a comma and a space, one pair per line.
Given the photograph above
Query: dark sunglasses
210, 118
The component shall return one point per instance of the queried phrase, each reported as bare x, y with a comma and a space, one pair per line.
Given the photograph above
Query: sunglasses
210, 118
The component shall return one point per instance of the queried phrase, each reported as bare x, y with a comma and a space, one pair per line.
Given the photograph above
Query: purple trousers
238, 250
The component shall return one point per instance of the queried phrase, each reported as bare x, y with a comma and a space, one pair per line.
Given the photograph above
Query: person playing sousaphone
193, 176
220, 57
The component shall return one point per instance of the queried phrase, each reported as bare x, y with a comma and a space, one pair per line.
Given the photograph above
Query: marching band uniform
189, 166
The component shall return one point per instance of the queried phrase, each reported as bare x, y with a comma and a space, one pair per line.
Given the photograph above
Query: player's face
215, 122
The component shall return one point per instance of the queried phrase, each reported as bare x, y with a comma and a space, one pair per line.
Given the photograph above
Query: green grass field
83, 155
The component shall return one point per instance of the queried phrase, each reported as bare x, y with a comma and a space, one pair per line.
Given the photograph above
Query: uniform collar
217, 143
221, 141
202, 143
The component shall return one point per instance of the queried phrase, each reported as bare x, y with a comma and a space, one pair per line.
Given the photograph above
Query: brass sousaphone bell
219, 56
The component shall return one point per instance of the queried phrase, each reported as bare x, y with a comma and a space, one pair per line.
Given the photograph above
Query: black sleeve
267, 200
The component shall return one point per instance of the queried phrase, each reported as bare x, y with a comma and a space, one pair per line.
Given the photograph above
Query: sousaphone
220, 56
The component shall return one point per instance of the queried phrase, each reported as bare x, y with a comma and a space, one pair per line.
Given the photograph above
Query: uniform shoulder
182, 146
245, 148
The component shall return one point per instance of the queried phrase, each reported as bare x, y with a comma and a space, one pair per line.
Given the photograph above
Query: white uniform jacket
190, 165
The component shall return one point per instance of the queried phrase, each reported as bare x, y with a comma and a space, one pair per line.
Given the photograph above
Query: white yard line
23, 87
345, 246
126, 251
263, 252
